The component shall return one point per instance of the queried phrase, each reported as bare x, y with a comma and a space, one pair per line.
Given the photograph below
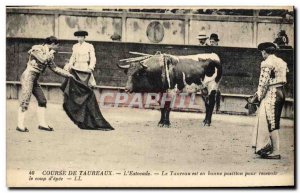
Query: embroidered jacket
40, 57
273, 72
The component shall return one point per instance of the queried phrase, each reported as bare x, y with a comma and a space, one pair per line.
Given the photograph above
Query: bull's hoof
165, 124
206, 123
160, 124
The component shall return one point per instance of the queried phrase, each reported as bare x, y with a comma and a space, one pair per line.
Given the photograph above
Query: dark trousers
280, 99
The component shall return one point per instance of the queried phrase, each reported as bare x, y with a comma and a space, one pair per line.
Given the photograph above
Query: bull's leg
210, 108
167, 118
205, 99
162, 117
218, 99
165, 115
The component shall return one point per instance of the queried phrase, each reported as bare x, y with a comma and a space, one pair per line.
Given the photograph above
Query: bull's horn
123, 66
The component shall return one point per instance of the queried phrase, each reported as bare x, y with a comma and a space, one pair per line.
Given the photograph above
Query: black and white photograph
150, 96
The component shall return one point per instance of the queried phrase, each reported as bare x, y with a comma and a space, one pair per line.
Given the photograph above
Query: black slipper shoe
22, 130
46, 128
271, 157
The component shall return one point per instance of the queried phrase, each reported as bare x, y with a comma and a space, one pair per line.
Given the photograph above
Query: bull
162, 73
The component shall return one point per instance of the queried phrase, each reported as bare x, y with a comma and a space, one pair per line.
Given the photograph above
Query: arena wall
233, 31
241, 67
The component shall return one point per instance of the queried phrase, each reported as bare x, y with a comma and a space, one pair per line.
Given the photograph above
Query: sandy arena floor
138, 144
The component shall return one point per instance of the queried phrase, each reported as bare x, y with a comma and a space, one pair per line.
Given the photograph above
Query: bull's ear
172, 60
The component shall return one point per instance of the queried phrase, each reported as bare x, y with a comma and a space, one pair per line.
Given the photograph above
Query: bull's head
149, 75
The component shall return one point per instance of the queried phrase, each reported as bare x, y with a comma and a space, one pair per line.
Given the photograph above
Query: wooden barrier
230, 103
241, 66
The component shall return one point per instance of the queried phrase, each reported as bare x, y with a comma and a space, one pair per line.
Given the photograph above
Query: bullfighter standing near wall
270, 95
40, 56
83, 57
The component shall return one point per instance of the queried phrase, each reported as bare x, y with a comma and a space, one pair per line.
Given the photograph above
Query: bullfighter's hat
51, 39
266, 46
81, 33
282, 33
